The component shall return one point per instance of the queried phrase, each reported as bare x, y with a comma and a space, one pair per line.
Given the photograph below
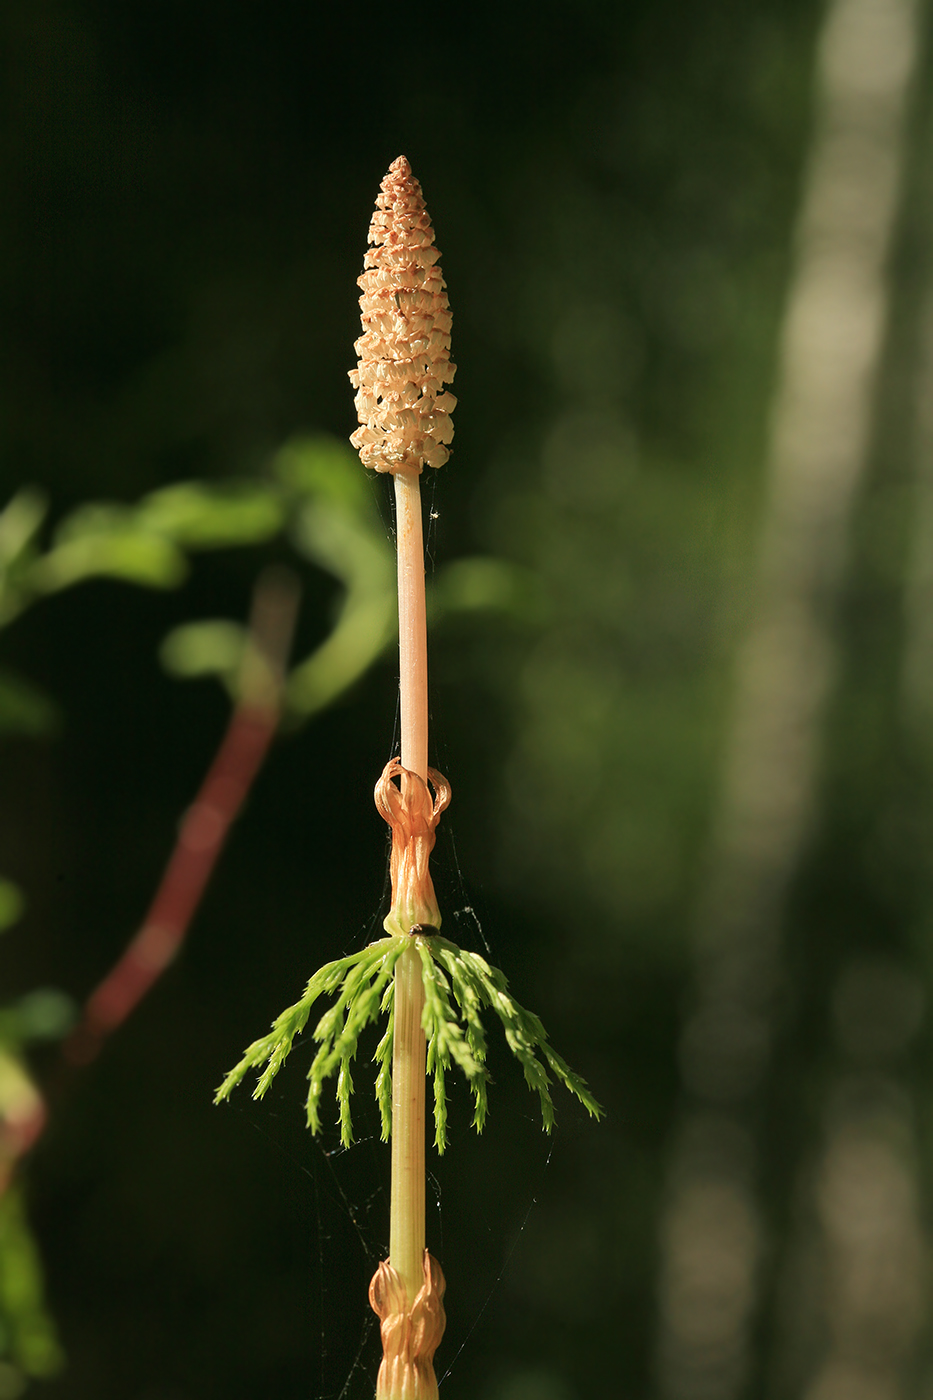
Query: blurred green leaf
323, 468
199, 516
210, 648
138, 544
345, 538
348, 542
337, 526
94, 520
19, 522
366, 626
24, 708
31, 1340
12, 1381
135, 557
12, 903
486, 585
45, 1014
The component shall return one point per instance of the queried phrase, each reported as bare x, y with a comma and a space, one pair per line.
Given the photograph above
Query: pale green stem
406, 1228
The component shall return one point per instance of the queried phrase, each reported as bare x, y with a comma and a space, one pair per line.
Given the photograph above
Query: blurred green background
736, 957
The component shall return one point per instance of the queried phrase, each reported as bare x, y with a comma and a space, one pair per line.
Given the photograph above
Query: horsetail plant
432, 993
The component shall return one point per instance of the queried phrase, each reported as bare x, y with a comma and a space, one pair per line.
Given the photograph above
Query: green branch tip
458, 987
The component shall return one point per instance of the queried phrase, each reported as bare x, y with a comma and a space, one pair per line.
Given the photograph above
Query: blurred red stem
200, 841
203, 829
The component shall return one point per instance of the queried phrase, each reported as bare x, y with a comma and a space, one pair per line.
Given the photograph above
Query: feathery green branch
458, 987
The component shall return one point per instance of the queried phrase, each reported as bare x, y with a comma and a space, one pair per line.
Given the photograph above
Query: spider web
339, 1198
347, 1205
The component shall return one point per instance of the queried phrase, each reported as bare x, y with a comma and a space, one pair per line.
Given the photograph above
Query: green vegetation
458, 987
617, 191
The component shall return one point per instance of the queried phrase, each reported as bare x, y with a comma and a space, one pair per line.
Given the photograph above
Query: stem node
410, 1333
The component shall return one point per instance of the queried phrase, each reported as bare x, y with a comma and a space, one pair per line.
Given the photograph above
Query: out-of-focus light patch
588, 459
571, 700
532, 1384
723, 1049
863, 1267
596, 352
868, 48
917, 674
710, 1257
584, 778
634, 861
712, 1232
878, 1009
12, 1382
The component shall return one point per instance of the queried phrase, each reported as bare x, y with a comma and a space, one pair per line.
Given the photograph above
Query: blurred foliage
27, 1335
317, 491
333, 522
140, 544
29, 1345
11, 903
614, 188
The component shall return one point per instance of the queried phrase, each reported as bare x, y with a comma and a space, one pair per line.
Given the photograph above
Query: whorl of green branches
458, 987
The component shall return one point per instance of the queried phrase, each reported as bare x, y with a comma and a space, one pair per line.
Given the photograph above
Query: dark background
186, 190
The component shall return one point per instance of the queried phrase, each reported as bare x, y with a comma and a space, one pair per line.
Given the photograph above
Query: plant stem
406, 1227
412, 625
206, 824
406, 1222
